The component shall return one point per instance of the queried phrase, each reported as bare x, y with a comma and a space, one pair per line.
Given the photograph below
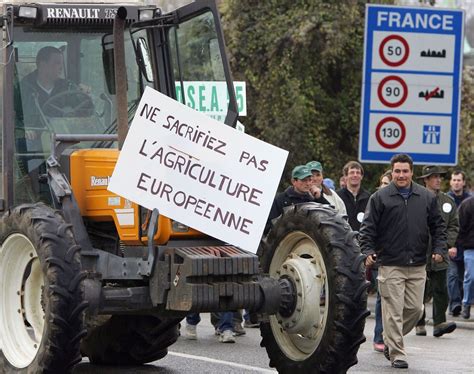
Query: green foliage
466, 136
302, 61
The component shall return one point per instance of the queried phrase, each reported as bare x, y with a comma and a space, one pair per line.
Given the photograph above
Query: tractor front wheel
41, 300
320, 329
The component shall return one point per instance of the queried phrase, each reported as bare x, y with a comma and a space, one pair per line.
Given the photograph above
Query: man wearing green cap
436, 272
331, 196
301, 191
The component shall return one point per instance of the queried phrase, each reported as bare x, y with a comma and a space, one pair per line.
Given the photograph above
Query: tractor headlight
146, 14
27, 12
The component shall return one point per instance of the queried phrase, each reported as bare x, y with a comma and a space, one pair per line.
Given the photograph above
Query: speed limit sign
392, 91
390, 132
411, 84
394, 50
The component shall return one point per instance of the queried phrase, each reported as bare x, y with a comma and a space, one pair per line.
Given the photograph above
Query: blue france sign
411, 89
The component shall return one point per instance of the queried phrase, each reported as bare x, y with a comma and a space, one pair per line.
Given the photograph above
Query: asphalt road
452, 353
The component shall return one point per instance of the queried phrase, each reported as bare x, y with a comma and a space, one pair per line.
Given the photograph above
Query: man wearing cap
331, 196
398, 222
436, 272
301, 191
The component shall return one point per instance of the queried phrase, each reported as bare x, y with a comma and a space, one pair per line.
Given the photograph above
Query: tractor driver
45, 83
43, 94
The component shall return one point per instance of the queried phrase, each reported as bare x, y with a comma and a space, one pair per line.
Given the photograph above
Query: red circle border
401, 40
402, 128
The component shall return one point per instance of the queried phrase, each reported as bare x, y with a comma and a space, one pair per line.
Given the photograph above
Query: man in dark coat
436, 282
397, 225
302, 190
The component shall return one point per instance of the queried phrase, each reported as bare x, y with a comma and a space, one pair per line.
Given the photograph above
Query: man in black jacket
396, 229
301, 191
354, 196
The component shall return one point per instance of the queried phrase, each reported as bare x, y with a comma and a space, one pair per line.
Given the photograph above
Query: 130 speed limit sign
390, 132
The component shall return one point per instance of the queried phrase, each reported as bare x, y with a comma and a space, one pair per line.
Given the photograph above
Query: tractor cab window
62, 86
198, 67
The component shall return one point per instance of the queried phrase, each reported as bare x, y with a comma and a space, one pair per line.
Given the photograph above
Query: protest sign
198, 171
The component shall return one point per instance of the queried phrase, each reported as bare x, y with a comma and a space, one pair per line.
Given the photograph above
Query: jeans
223, 321
193, 319
468, 276
378, 330
455, 283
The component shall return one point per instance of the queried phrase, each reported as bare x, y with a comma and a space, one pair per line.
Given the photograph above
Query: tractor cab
58, 76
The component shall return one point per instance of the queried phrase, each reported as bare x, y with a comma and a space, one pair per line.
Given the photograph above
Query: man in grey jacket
397, 225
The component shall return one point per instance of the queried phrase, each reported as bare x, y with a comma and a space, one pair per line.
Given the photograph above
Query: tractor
87, 273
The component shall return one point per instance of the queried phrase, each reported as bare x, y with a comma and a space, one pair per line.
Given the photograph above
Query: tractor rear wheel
130, 340
41, 297
321, 329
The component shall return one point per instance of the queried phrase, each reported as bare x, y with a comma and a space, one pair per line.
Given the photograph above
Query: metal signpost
412, 84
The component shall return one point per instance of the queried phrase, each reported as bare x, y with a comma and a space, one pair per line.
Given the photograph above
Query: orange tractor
86, 273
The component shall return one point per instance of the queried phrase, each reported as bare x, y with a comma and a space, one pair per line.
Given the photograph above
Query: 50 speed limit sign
394, 50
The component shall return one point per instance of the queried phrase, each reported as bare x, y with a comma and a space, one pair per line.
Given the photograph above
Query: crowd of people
419, 243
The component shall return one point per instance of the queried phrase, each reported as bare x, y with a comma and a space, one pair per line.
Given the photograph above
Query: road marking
234, 364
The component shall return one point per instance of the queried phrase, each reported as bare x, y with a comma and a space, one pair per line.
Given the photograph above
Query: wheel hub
21, 312
306, 277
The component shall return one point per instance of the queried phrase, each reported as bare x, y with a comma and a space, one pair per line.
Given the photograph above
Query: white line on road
213, 360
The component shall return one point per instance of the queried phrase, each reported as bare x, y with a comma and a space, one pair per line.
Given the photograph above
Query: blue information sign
411, 90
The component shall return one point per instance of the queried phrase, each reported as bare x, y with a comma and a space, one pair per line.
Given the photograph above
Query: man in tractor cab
41, 95
45, 85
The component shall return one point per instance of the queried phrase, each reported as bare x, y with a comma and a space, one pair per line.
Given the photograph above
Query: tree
302, 61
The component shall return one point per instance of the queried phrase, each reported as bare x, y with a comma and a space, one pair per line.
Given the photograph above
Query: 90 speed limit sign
394, 50
390, 132
392, 91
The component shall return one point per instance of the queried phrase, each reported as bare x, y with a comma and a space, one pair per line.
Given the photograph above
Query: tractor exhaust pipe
120, 75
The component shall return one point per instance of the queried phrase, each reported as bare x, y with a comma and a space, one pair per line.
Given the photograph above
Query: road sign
411, 89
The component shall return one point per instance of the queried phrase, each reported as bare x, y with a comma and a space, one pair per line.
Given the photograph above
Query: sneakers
456, 310
420, 330
400, 364
227, 336
443, 328
466, 311
238, 329
378, 347
250, 325
190, 332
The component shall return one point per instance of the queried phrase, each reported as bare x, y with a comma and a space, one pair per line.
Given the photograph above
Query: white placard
198, 171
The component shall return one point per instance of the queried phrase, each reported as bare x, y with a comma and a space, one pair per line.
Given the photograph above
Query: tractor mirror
109, 69
143, 59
